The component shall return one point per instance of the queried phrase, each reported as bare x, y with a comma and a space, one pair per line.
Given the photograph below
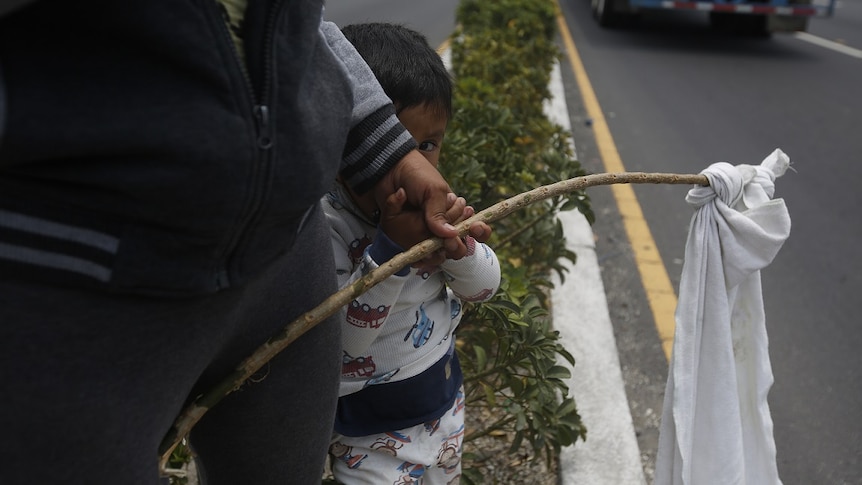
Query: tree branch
195, 411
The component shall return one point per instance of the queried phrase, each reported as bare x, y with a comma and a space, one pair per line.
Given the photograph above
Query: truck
752, 17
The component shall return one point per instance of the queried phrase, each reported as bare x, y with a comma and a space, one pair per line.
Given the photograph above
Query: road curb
610, 455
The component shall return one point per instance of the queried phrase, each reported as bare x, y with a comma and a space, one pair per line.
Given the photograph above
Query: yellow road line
656, 283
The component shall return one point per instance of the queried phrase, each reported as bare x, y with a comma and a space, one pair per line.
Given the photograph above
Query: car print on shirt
426, 270
481, 296
357, 248
362, 315
422, 329
455, 308
381, 379
471, 245
357, 367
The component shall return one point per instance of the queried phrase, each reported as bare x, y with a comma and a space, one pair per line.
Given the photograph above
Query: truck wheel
740, 24
755, 26
603, 11
721, 21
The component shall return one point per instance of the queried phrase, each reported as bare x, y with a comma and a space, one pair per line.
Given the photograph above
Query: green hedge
499, 144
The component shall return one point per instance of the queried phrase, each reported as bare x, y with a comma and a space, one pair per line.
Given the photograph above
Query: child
401, 411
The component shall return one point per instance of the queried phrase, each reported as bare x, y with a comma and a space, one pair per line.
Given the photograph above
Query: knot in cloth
752, 185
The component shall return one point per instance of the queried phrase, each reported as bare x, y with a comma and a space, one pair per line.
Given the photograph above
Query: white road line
835, 46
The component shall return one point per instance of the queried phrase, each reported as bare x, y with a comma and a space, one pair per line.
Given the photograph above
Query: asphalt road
434, 19
678, 96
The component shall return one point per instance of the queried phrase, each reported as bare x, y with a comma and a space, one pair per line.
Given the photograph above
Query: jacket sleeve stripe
373, 147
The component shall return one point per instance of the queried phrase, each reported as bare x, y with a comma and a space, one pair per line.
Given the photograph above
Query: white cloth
716, 427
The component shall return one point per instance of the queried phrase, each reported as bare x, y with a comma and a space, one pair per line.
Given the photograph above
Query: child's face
428, 126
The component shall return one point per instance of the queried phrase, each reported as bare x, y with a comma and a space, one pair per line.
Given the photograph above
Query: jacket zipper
264, 139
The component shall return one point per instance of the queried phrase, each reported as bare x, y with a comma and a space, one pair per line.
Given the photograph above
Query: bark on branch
195, 411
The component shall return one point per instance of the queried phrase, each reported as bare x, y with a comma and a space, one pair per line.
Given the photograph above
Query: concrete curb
610, 455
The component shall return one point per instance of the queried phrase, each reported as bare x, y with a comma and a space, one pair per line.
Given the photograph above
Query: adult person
161, 164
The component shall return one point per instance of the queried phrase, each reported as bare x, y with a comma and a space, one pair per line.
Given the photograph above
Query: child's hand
406, 226
479, 230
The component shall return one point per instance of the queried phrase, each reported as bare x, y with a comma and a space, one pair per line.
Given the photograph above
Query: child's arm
476, 276
363, 318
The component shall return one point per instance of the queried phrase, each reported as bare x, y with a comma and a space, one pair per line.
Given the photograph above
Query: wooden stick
195, 411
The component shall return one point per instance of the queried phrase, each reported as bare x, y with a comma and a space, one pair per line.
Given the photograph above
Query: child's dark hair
409, 70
